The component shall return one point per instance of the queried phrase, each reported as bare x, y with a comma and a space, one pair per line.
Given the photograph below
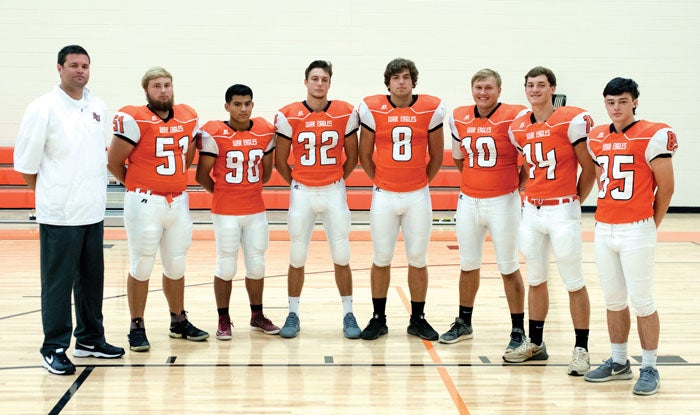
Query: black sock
582, 338
518, 321
379, 307
256, 308
223, 311
137, 323
417, 308
536, 330
465, 313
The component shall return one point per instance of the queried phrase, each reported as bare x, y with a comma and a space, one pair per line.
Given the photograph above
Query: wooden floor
320, 372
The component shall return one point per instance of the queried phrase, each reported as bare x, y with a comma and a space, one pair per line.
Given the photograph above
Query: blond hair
154, 73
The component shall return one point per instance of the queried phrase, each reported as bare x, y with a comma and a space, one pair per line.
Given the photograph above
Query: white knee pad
297, 254
142, 267
382, 259
534, 281
644, 308
417, 260
340, 253
175, 268
255, 266
573, 284
226, 268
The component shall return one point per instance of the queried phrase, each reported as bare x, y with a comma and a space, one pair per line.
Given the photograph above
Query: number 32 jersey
627, 186
237, 170
318, 139
157, 162
401, 139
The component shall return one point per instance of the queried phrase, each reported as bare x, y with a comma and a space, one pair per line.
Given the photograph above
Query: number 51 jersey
158, 160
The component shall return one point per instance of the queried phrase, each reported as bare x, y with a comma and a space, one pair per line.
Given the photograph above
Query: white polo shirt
63, 142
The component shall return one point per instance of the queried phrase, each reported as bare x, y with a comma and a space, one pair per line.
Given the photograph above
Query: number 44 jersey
158, 160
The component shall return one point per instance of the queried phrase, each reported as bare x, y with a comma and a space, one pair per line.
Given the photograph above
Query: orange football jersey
237, 171
318, 139
157, 162
490, 160
401, 139
548, 149
627, 185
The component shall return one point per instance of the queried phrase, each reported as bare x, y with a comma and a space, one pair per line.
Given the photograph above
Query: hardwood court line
71, 391
446, 379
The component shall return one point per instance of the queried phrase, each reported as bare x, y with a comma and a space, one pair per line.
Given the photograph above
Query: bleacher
15, 195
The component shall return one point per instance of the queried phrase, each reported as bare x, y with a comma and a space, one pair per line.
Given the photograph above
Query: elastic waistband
551, 202
169, 196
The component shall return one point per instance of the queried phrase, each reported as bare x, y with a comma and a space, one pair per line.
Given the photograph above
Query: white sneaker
527, 351
580, 362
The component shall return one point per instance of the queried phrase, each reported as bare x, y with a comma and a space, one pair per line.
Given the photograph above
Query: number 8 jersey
158, 160
318, 139
401, 139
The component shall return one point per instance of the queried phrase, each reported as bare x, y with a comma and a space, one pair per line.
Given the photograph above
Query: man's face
318, 83
401, 84
538, 90
159, 93
485, 93
240, 108
75, 71
621, 108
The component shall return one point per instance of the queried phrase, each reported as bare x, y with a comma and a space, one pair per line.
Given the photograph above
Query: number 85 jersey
158, 160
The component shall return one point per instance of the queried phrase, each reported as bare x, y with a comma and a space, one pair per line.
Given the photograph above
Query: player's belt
550, 202
169, 196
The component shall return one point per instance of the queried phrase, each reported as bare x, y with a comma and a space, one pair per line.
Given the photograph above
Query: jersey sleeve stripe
366, 127
133, 143
437, 127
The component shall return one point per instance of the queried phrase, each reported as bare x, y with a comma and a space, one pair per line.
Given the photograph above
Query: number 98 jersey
158, 160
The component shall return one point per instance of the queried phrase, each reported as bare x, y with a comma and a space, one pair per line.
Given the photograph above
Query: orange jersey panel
318, 139
157, 162
237, 171
627, 185
401, 139
548, 149
490, 166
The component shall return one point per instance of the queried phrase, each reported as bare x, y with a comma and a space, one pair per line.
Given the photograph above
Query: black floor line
71, 391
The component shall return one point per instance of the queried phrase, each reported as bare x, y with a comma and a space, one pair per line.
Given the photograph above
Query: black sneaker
57, 362
421, 328
104, 350
375, 328
185, 330
138, 342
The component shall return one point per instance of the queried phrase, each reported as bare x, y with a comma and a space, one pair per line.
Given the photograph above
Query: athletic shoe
421, 328
262, 323
608, 371
648, 382
185, 330
527, 351
223, 329
291, 326
138, 342
104, 350
350, 328
458, 331
517, 337
580, 362
57, 362
375, 328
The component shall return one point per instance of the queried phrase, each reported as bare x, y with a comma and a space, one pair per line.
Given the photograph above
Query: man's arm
281, 156
365, 151
267, 166
350, 155
662, 167
587, 177
436, 143
204, 166
30, 179
118, 152
459, 163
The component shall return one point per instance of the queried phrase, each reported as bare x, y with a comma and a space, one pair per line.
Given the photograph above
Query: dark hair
541, 70
325, 65
618, 86
238, 89
71, 50
397, 66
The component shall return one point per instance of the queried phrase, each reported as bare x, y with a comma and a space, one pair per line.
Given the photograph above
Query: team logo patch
96, 116
300, 113
384, 106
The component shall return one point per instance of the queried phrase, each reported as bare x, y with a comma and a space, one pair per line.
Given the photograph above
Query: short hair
541, 70
398, 65
321, 64
154, 73
238, 90
618, 86
71, 50
486, 73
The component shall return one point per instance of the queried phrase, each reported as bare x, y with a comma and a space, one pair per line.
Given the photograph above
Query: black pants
72, 259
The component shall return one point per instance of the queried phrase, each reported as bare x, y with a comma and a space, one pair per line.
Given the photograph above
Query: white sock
347, 304
619, 353
294, 305
648, 358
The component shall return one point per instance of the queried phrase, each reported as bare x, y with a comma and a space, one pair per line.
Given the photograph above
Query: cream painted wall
209, 45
